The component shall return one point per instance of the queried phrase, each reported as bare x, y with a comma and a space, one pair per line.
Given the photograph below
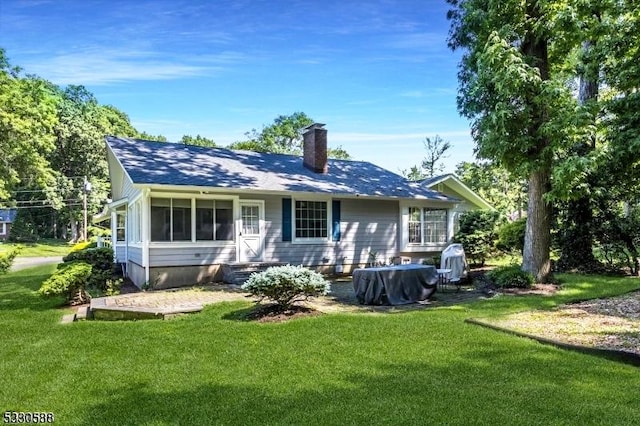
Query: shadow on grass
489, 385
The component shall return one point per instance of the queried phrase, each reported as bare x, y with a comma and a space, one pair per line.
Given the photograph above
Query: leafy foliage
283, 136
510, 276
69, 280
286, 284
503, 190
618, 235
198, 141
436, 151
6, 259
72, 279
477, 234
511, 236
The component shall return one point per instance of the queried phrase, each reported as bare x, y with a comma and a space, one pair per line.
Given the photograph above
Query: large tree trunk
537, 239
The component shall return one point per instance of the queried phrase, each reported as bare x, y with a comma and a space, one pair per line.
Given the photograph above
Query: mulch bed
273, 313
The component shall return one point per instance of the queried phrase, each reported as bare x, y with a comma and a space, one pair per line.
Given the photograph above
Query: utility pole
86, 187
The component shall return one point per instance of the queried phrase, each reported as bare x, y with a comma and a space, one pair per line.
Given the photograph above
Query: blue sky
378, 73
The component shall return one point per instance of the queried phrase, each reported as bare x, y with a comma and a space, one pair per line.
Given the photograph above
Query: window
170, 219
3, 228
427, 225
136, 222
250, 220
311, 220
121, 217
214, 220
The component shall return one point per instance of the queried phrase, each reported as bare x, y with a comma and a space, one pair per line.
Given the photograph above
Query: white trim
467, 193
296, 240
404, 244
115, 204
261, 226
191, 190
4, 229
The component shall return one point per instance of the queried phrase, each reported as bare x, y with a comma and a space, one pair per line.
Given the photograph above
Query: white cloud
98, 67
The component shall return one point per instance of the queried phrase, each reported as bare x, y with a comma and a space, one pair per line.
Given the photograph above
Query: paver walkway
341, 299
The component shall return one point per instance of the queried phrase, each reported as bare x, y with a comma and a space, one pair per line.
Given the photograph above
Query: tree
436, 151
283, 136
514, 93
27, 117
198, 141
149, 137
414, 173
503, 190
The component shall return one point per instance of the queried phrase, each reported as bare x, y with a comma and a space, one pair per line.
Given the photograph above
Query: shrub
477, 233
511, 236
100, 258
69, 280
286, 284
510, 276
6, 259
82, 246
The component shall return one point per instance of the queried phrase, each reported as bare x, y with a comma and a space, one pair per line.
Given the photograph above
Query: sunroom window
214, 220
170, 219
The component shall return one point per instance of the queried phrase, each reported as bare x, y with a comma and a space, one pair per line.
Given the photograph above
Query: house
7, 217
181, 212
451, 185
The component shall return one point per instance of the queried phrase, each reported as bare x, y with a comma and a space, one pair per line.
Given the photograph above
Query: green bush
286, 284
82, 246
477, 233
69, 280
510, 276
511, 236
6, 259
99, 258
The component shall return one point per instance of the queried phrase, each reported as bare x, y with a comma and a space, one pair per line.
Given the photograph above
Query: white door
250, 233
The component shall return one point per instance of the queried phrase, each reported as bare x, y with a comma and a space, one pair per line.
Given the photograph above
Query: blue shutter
286, 219
335, 215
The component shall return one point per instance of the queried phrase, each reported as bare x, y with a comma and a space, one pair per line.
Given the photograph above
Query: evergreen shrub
511, 276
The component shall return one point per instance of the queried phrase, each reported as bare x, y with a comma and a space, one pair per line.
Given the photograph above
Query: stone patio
167, 303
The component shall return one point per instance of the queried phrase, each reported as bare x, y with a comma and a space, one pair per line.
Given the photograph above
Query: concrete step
238, 273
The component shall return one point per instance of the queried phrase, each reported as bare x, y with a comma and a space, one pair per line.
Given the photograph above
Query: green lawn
417, 367
42, 248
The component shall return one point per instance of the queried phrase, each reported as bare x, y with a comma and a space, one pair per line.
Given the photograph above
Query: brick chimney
315, 148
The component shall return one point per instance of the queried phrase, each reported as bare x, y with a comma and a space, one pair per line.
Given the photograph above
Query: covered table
399, 285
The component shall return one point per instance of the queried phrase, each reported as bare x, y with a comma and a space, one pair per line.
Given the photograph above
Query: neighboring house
7, 217
180, 212
452, 186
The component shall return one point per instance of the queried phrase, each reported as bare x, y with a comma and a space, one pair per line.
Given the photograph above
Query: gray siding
135, 255
366, 226
120, 254
187, 256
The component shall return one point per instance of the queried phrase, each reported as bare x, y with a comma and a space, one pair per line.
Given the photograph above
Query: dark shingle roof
8, 215
162, 163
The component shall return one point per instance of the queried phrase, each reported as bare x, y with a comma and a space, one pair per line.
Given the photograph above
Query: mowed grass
419, 367
43, 248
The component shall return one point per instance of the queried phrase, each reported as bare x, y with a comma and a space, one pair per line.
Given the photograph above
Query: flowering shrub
286, 284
